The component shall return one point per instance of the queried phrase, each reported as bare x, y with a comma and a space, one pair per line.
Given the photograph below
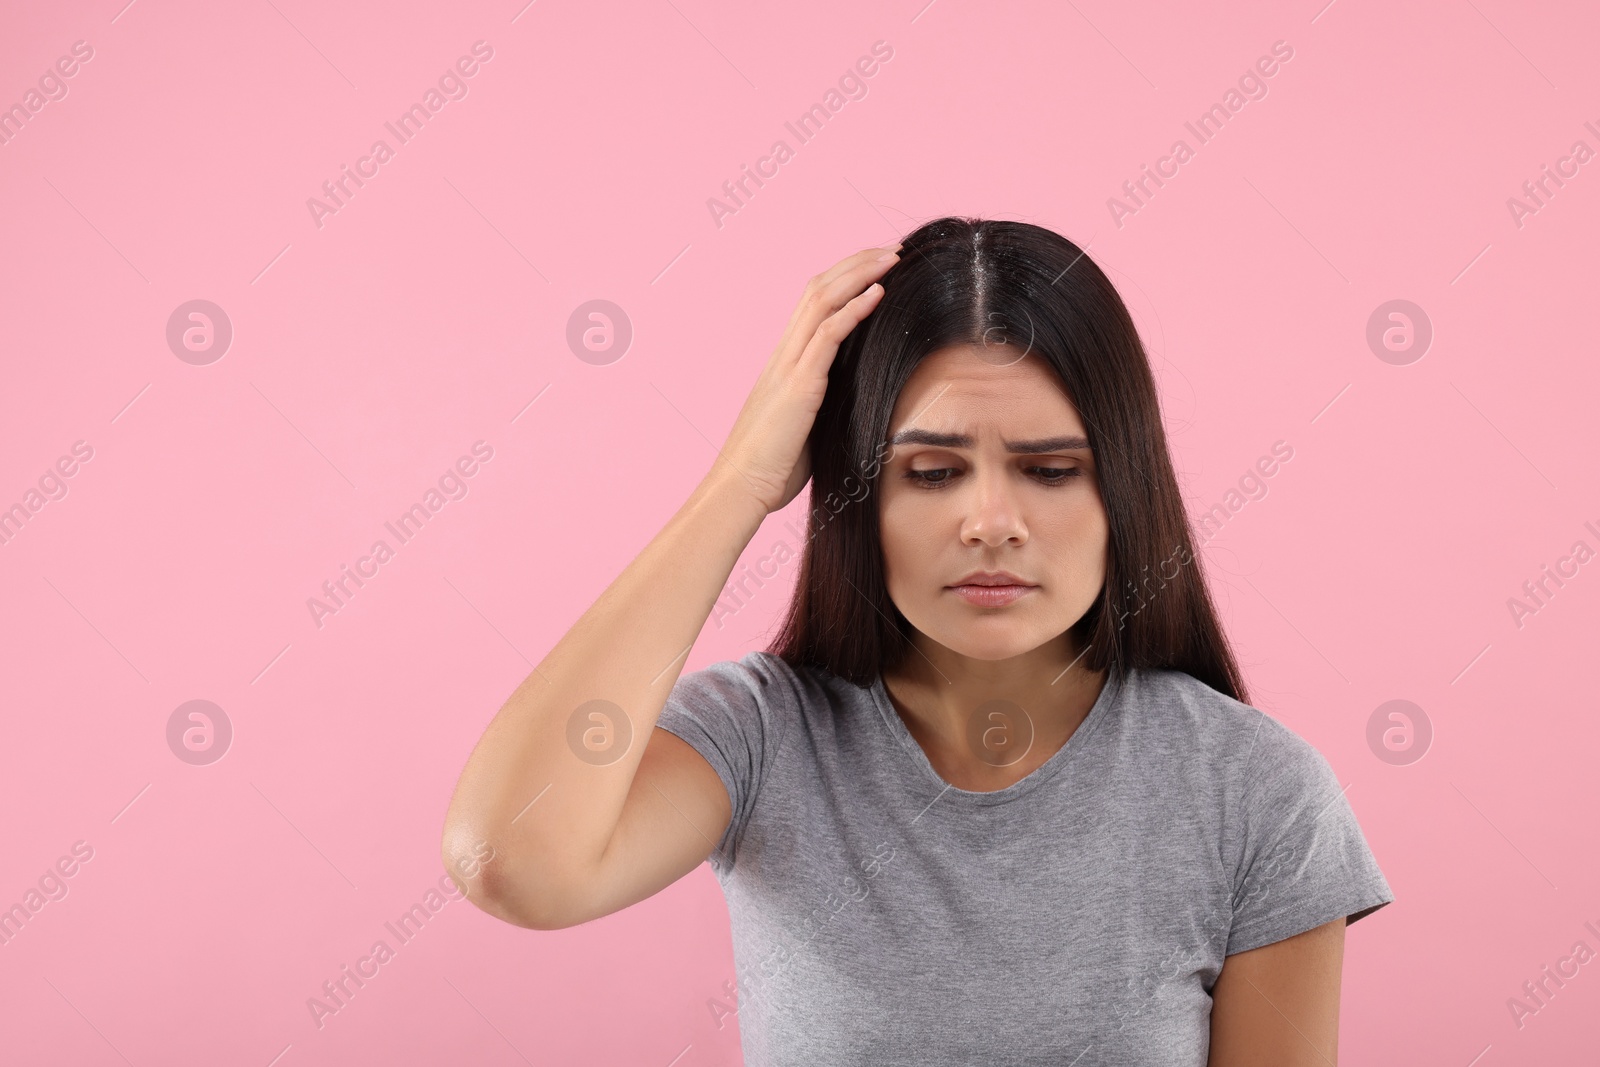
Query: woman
995, 794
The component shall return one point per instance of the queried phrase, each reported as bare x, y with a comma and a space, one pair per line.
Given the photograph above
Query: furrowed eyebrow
961, 440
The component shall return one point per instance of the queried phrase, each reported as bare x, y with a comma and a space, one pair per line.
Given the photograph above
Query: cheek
1079, 540
1084, 527
907, 539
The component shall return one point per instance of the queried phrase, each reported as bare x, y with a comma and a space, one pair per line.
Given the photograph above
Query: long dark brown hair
964, 281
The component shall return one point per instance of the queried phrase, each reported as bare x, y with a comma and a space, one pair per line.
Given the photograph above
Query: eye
930, 477
1059, 474
938, 476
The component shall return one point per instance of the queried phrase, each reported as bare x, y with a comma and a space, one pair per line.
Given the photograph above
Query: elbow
469, 858
480, 869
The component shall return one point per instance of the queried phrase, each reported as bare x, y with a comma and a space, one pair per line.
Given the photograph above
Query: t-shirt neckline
1101, 709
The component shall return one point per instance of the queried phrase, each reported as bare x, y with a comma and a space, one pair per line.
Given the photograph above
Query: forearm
628, 649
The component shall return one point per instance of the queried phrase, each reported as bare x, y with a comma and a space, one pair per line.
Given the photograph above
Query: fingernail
887, 256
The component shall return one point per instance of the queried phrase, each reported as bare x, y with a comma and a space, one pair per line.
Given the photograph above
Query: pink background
371, 352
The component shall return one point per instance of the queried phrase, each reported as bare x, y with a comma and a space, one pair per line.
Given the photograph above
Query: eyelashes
926, 480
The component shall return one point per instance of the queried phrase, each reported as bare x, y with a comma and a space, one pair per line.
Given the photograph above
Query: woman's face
955, 499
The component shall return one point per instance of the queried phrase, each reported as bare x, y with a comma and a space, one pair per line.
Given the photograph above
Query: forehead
979, 390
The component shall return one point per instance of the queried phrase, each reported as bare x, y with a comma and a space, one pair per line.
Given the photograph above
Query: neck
988, 711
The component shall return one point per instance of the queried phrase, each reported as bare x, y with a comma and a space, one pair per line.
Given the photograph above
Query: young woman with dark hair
995, 794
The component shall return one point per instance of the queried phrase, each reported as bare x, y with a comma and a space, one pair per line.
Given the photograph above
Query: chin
988, 639
992, 653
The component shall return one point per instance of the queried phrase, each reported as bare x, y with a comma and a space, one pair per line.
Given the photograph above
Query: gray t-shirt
1079, 916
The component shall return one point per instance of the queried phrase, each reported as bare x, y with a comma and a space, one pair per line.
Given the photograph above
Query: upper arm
1278, 1005
675, 812
696, 785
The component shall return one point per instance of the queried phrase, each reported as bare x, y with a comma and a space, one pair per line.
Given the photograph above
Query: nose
994, 512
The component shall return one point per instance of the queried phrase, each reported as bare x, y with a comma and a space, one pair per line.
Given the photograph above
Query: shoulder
1174, 710
762, 681
1178, 711
1181, 697
762, 673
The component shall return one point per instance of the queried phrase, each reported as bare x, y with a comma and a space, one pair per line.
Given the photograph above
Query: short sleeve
1304, 860
730, 713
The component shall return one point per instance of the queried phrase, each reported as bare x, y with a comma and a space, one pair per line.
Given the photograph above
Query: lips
992, 596
992, 589
993, 578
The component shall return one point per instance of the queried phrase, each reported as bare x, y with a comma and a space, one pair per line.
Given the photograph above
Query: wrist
725, 489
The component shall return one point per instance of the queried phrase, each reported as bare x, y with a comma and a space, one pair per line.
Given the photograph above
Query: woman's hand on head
767, 445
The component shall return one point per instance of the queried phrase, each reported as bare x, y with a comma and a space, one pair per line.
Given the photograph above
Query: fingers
844, 280
848, 263
830, 291
825, 339
822, 284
